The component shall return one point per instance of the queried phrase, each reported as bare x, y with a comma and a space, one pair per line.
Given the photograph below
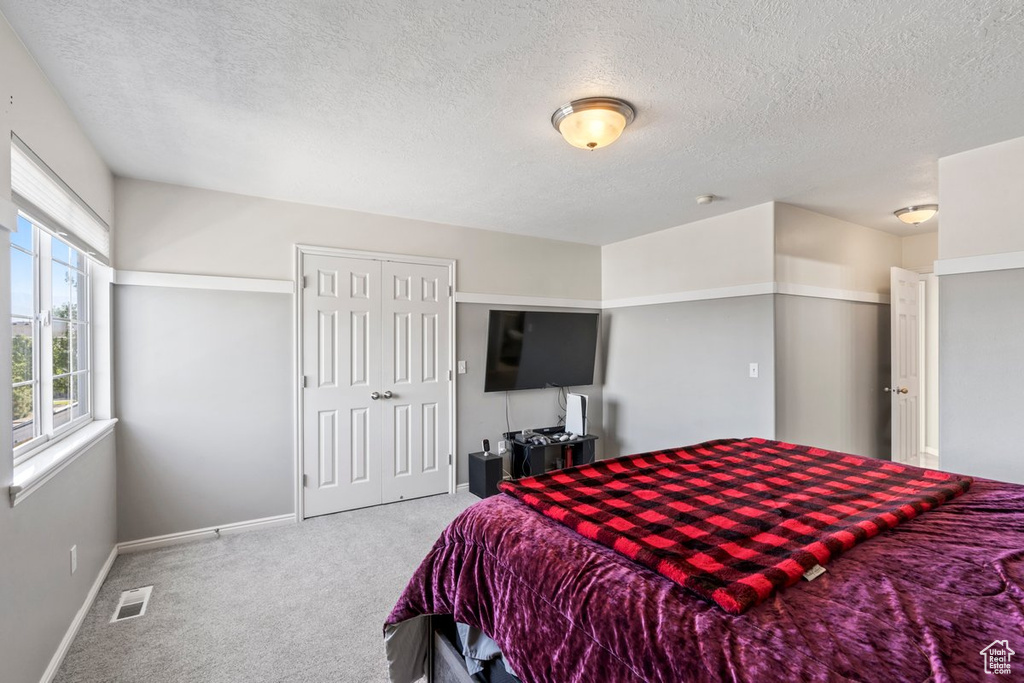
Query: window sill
40, 468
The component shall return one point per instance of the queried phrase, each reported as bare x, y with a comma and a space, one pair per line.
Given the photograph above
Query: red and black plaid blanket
734, 520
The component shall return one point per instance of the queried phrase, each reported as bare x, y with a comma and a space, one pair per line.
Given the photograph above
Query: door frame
301, 250
924, 318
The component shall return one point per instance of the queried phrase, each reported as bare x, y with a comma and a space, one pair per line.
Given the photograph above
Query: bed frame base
445, 664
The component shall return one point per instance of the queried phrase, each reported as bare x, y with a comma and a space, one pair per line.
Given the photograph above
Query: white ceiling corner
440, 111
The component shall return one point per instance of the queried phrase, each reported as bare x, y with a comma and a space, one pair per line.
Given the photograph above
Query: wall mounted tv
533, 350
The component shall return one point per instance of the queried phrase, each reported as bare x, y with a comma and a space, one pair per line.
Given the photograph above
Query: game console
576, 414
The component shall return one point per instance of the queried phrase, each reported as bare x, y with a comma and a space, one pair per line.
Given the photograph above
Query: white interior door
905, 381
341, 321
376, 363
416, 368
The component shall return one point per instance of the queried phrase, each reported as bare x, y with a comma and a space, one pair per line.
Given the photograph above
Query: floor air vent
132, 604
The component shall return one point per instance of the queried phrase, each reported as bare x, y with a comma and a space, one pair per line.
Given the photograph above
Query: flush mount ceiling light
593, 122
912, 215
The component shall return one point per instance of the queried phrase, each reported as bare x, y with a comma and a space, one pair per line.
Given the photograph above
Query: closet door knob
375, 395
388, 394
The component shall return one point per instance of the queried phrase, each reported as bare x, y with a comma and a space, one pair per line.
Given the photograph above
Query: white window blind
40, 192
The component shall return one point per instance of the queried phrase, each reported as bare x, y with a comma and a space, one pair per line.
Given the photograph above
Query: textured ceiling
440, 110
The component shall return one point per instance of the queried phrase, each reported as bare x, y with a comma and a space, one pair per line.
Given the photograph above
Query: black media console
529, 458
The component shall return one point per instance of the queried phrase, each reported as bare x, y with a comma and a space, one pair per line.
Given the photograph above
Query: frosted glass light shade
912, 215
592, 128
593, 122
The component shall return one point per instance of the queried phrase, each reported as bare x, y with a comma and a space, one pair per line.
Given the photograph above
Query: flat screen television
533, 350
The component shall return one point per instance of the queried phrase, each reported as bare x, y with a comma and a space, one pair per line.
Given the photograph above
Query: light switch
753, 370
462, 367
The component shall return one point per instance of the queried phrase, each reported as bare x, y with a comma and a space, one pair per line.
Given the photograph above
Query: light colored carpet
305, 602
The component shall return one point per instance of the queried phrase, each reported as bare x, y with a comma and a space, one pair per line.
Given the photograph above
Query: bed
917, 602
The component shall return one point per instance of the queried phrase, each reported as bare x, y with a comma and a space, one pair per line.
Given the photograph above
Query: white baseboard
208, 532
76, 623
462, 488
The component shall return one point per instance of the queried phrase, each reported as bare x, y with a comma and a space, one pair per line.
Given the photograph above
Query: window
50, 350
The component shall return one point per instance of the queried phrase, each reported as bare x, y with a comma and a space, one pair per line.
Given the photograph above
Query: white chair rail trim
980, 264
241, 284
140, 278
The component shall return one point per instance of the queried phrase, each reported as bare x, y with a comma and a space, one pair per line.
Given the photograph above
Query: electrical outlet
74, 559
753, 370
462, 367
502, 447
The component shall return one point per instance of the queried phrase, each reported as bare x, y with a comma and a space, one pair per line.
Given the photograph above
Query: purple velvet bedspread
916, 603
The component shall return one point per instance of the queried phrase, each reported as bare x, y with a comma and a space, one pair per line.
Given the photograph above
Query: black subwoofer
484, 474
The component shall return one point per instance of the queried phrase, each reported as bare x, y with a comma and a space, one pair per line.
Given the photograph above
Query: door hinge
305, 282
449, 460
305, 481
305, 382
449, 375
450, 292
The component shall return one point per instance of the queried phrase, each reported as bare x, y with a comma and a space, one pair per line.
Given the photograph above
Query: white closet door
416, 364
341, 321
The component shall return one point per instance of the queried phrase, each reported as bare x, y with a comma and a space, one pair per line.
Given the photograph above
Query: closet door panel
341, 321
416, 369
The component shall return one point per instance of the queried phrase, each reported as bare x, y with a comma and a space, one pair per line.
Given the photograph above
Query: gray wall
832, 361
205, 400
981, 371
677, 374
39, 597
482, 415
204, 395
